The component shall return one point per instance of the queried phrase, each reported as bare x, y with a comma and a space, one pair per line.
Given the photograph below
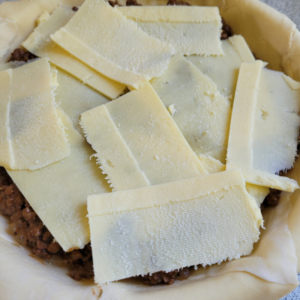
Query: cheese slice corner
134, 232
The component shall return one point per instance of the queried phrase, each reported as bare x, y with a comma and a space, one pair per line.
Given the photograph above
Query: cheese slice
200, 111
32, 135
224, 70
138, 143
264, 127
100, 36
190, 29
203, 220
259, 193
58, 192
40, 44
75, 98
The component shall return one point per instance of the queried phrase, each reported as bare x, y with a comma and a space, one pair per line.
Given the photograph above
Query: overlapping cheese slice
104, 39
190, 29
203, 220
32, 134
138, 143
264, 127
40, 44
224, 70
75, 98
58, 192
199, 110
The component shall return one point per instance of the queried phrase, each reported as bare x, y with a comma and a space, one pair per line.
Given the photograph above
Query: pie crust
268, 273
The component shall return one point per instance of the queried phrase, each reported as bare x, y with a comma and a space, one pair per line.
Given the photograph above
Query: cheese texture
58, 192
259, 193
190, 29
75, 98
203, 220
40, 44
32, 135
100, 36
138, 143
224, 70
264, 127
201, 112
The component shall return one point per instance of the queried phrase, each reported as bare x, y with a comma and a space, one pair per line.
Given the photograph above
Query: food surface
154, 200
145, 230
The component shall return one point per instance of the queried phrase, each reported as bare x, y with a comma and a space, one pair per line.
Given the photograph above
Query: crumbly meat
175, 2
21, 55
227, 31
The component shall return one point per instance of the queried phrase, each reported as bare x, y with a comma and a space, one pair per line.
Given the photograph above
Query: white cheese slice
224, 70
259, 193
75, 98
100, 36
203, 220
190, 29
32, 134
202, 113
40, 44
58, 192
264, 127
138, 143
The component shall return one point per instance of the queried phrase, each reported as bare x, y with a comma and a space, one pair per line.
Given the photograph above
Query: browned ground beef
175, 2
21, 55
227, 31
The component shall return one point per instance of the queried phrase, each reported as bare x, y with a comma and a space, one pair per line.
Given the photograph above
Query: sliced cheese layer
264, 127
58, 192
224, 70
75, 98
104, 39
199, 110
203, 220
138, 143
259, 193
190, 29
32, 134
40, 44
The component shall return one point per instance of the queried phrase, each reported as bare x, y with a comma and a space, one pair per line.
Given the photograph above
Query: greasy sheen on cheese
199, 110
40, 44
31, 132
203, 220
190, 29
224, 70
75, 98
100, 36
58, 192
138, 143
264, 127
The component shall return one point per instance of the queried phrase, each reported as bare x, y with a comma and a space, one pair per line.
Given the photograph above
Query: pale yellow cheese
190, 29
40, 44
203, 220
201, 112
32, 135
138, 143
224, 70
259, 193
75, 97
58, 192
104, 39
264, 127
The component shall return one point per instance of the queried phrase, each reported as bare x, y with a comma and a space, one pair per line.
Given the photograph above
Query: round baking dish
270, 272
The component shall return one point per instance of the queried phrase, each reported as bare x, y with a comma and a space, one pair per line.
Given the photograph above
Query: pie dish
268, 273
